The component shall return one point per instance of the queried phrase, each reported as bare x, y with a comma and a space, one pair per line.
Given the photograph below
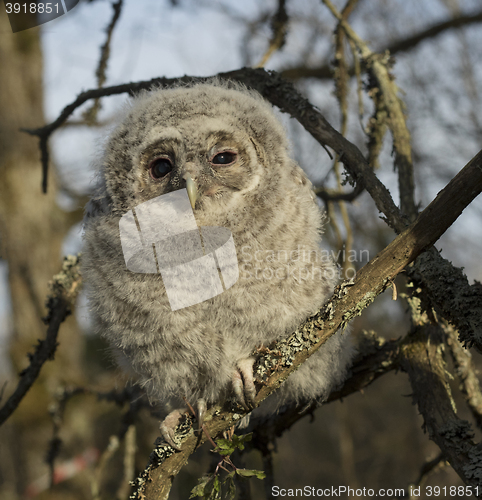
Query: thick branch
375, 358
422, 359
349, 301
450, 294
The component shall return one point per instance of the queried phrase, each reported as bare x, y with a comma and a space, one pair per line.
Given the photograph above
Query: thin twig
429, 467
279, 26
327, 194
64, 289
465, 370
341, 86
90, 115
378, 66
105, 458
325, 71
129, 463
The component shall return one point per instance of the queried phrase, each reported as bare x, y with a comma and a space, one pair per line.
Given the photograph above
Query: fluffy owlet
220, 147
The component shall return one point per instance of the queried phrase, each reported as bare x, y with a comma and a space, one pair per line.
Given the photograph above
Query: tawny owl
220, 147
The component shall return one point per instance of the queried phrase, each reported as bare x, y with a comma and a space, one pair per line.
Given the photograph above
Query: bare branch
325, 71
91, 114
64, 289
327, 194
99, 472
375, 358
465, 370
129, 463
450, 294
279, 26
378, 66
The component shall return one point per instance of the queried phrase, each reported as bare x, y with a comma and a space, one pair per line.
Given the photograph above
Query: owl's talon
201, 407
243, 384
168, 428
238, 390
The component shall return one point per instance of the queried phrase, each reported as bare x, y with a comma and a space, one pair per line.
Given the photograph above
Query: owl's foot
243, 383
168, 427
169, 424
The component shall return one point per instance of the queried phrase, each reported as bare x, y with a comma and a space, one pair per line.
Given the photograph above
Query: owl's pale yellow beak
191, 190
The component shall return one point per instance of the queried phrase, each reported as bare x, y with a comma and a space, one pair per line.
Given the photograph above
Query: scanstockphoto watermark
348, 492
336, 492
301, 263
25, 15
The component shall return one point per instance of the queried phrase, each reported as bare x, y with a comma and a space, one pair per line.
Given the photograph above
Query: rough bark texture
423, 360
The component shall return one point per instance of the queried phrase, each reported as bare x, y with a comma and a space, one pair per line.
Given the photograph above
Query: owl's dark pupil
224, 158
160, 167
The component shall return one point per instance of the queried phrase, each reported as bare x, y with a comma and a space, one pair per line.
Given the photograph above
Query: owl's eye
160, 167
224, 158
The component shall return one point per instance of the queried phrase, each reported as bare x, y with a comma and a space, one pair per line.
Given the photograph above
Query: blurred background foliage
372, 439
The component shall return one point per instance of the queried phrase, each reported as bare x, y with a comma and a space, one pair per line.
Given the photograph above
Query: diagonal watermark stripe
161, 236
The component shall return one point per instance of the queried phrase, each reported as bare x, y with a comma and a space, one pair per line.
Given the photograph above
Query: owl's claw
168, 428
201, 408
243, 384
169, 424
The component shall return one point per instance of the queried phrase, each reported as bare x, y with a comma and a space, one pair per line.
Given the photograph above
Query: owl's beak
191, 190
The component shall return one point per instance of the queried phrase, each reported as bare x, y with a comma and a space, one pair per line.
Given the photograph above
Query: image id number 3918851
33, 8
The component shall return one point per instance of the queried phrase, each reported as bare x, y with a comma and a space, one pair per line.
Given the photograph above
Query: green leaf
230, 487
250, 473
224, 447
199, 489
239, 441
214, 490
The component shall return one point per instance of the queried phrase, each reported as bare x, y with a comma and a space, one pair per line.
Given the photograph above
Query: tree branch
325, 71
422, 359
64, 288
374, 358
466, 373
378, 66
279, 27
91, 114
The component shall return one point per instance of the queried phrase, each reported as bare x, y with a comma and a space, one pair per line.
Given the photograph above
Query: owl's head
220, 140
